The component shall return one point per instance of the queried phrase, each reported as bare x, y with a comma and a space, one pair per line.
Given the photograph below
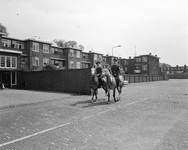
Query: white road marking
26, 137
65, 124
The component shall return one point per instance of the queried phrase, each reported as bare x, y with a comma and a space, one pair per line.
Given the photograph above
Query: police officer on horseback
98, 72
115, 70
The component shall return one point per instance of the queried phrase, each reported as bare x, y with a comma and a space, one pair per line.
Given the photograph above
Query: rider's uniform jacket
115, 70
98, 70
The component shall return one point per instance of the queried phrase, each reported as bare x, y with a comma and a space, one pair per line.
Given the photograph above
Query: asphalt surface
150, 116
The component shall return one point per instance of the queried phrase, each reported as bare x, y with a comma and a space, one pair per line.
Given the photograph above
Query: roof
7, 37
32, 39
71, 48
148, 55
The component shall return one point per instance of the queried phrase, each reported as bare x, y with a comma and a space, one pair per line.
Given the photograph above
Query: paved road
150, 116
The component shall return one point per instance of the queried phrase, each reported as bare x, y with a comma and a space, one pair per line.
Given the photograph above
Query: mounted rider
115, 68
98, 72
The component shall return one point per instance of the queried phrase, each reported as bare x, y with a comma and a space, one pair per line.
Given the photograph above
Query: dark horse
113, 85
95, 85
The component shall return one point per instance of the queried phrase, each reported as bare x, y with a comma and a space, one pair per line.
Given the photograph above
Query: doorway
5, 78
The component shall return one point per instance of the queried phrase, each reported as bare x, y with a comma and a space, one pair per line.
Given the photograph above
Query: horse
113, 85
95, 85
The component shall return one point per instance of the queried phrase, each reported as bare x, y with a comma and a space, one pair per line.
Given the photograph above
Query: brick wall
71, 81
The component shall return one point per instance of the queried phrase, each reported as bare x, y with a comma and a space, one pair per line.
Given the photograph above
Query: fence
144, 78
179, 76
71, 81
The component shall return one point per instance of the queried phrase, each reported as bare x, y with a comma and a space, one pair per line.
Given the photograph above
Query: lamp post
115, 47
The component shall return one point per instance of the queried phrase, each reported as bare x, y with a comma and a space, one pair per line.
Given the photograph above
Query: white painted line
112, 108
136, 102
26, 137
88, 117
102, 112
56, 127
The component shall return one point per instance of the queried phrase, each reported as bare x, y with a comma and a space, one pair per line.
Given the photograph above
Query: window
95, 56
60, 63
6, 43
35, 47
2, 61
71, 64
71, 53
52, 50
100, 57
14, 62
144, 59
85, 65
8, 61
144, 67
17, 44
84, 56
45, 61
138, 59
35, 61
45, 48
56, 51
78, 54
78, 65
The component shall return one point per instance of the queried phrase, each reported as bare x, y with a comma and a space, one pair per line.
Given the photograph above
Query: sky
141, 27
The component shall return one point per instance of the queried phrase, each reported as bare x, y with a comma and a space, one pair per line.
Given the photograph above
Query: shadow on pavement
88, 103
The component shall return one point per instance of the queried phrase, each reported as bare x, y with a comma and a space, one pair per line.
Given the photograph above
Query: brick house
170, 70
146, 64
11, 50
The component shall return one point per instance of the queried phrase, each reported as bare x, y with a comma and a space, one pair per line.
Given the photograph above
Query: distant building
127, 65
146, 64
170, 70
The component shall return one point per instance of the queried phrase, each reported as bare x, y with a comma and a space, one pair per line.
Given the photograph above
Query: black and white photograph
93, 75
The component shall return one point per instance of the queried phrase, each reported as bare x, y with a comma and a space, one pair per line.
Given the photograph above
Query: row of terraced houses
33, 55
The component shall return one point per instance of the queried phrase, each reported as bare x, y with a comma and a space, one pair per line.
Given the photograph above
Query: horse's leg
108, 92
119, 91
92, 93
96, 93
114, 94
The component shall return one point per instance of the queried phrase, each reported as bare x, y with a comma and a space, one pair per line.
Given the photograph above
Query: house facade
146, 64
11, 51
34, 55
170, 70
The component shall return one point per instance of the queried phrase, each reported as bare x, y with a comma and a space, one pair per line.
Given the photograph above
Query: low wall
144, 78
71, 81
178, 76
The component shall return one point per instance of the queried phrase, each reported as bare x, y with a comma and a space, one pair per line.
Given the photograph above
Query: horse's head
92, 71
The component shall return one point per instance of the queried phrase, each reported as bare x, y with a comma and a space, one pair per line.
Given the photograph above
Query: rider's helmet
97, 62
115, 59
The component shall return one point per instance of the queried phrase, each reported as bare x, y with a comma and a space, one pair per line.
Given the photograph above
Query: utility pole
135, 52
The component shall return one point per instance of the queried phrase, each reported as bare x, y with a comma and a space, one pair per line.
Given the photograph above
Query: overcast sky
144, 26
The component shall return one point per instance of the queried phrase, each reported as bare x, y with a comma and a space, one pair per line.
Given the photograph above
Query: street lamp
114, 47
